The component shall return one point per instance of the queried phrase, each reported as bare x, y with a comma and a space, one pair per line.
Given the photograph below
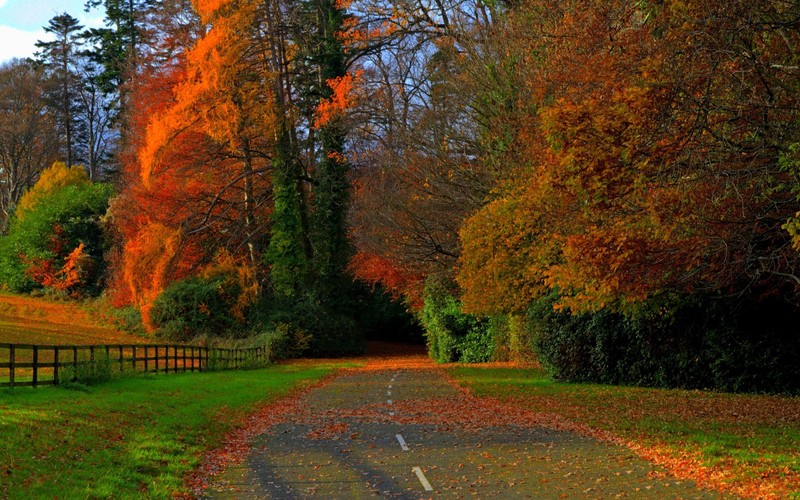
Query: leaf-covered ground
748, 445
31, 320
339, 440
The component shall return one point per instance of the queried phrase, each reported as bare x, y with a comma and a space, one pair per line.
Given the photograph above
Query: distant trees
28, 137
83, 108
60, 58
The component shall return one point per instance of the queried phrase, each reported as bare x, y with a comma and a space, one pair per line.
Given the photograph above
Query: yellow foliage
240, 274
51, 180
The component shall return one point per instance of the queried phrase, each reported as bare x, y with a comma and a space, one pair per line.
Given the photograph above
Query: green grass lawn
130, 437
747, 444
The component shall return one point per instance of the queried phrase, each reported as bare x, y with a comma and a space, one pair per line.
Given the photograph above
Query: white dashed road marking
422, 479
402, 442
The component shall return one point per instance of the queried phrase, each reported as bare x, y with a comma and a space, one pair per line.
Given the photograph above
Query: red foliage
47, 272
195, 128
373, 268
646, 167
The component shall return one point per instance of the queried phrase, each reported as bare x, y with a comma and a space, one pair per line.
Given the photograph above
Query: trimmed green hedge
451, 335
700, 343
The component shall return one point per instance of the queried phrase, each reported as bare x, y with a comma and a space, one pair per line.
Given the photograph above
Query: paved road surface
406, 432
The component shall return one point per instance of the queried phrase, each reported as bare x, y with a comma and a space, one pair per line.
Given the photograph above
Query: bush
331, 329
57, 241
286, 342
194, 306
691, 342
512, 338
451, 335
87, 371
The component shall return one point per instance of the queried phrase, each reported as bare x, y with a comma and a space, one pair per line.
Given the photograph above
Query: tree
646, 170
198, 177
60, 57
118, 44
28, 139
419, 128
56, 240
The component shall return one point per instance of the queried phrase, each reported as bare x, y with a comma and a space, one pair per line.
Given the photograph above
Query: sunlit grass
131, 437
32, 320
752, 440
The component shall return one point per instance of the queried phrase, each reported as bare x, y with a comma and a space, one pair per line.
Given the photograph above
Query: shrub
331, 329
451, 335
194, 306
286, 342
690, 342
57, 241
88, 371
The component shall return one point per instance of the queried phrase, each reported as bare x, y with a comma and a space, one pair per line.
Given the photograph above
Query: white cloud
18, 43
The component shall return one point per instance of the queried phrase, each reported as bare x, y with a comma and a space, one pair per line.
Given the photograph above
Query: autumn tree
652, 166
415, 141
55, 240
203, 154
28, 138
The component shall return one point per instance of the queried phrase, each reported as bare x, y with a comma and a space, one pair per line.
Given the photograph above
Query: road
402, 430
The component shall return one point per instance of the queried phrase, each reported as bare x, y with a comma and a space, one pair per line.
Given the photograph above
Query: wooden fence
35, 365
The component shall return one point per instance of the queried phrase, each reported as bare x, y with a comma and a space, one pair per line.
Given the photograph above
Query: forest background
610, 187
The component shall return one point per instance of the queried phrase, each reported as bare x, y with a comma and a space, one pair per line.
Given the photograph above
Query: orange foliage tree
195, 171
652, 164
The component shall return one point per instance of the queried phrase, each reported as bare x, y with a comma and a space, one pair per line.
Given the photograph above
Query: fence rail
35, 365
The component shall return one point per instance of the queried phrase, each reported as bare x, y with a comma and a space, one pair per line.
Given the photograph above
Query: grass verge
35, 320
130, 437
743, 444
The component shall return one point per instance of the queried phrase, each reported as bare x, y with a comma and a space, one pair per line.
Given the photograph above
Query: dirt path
399, 429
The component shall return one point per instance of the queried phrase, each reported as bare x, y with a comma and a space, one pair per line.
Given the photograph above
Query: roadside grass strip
136, 437
748, 445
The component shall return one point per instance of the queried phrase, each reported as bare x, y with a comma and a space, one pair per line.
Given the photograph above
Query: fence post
55, 365
145, 358
11, 361
35, 365
119, 351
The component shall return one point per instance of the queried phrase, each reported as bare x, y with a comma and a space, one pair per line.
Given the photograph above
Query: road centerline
402, 442
422, 479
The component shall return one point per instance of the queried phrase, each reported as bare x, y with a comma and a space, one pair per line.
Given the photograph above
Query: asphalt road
409, 433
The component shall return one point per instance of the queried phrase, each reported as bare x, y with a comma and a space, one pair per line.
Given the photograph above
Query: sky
21, 23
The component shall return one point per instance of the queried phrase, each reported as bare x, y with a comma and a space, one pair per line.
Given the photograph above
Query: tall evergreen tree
118, 42
60, 57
